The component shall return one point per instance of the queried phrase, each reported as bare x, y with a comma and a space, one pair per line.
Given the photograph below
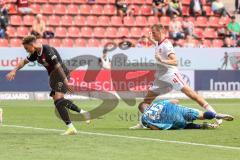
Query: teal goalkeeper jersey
165, 115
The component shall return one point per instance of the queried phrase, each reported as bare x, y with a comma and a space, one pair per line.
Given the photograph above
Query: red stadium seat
73, 9
109, 9
80, 21
139, 2
22, 31
67, 20
207, 43
210, 33
3, 43
55, 42
135, 10
54, 1
91, 21
97, 9
204, 2
28, 20
149, 2
153, 20
50, 29
224, 20
146, 31
217, 43
61, 32
103, 21
164, 20
146, 10
213, 22
38, 1
54, 20
105, 41
123, 32
11, 31
187, 2
192, 19
180, 19
111, 1
15, 42
140, 21
67, 42
185, 11
79, 1
116, 21
102, 1
47, 9
85, 9
129, 21
15, 20
136, 32
60, 9
66, 1
93, 43
201, 21
73, 32
99, 32
199, 32
208, 10
80, 43
43, 41
111, 32
86, 32
36, 8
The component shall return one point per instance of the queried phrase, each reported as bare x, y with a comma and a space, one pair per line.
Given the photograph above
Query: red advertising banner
106, 80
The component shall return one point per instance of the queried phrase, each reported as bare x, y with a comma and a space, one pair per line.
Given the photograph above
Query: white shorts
167, 83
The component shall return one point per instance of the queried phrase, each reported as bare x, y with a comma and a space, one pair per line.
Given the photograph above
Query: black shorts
56, 83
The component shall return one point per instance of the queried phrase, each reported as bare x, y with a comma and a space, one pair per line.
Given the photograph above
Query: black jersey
48, 57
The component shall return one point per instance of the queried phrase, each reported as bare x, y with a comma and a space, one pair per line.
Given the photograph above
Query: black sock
60, 105
193, 126
70, 105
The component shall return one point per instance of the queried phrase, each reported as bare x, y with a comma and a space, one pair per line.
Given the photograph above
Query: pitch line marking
128, 137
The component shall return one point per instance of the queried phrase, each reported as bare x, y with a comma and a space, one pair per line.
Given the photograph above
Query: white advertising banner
188, 58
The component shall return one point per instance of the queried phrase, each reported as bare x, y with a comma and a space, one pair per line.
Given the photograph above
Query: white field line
186, 104
129, 137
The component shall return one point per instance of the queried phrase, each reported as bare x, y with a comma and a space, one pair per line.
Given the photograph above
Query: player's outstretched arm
11, 75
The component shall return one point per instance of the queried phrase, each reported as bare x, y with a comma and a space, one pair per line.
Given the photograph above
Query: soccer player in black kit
58, 73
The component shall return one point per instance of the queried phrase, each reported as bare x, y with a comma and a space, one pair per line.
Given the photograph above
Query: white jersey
165, 48
106, 64
167, 77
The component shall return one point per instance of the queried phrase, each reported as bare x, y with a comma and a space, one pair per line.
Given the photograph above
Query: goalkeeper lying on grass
167, 114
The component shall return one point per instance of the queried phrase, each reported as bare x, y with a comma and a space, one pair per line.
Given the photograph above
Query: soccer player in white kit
168, 77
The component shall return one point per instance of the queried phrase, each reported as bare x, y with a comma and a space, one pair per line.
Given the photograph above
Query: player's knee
209, 115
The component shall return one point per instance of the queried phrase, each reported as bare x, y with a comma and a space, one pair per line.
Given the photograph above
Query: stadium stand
78, 23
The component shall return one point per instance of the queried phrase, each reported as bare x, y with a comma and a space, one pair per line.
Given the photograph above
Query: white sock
70, 125
209, 108
82, 111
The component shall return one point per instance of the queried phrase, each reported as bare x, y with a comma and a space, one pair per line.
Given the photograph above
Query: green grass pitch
112, 139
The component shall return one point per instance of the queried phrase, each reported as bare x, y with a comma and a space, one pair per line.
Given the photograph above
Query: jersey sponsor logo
53, 57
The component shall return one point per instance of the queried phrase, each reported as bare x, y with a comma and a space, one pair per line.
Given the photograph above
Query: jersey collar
41, 51
160, 42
